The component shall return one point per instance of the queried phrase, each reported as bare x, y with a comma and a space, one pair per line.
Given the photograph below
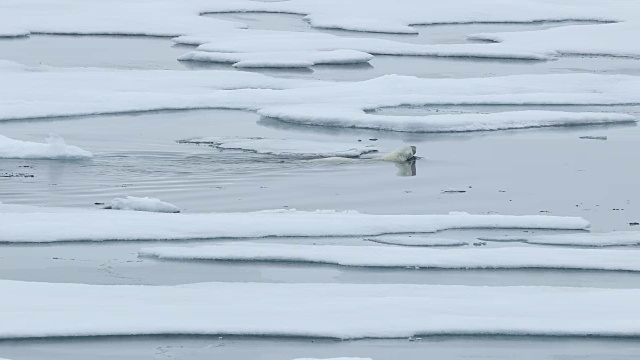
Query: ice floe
55, 92
275, 45
36, 224
142, 204
386, 256
340, 117
54, 149
398, 16
313, 310
294, 59
176, 18
616, 238
304, 149
615, 39
118, 17
603, 39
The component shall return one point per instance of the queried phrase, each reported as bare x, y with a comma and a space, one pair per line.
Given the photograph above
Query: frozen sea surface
137, 52
545, 171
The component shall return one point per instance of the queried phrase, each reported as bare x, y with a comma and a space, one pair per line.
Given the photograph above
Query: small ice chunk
54, 149
142, 204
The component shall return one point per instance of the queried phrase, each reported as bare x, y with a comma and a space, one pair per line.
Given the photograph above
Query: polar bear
400, 155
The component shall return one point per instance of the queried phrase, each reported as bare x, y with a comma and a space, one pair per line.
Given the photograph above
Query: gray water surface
440, 348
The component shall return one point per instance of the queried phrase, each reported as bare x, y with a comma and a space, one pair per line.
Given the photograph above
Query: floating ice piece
175, 18
340, 117
35, 224
142, 204
305, 149
314, 310
118, 17
616, 238
264, 45
398, 16
54, 149
291, 59
590, 40
416, 240
386, 256
65, 92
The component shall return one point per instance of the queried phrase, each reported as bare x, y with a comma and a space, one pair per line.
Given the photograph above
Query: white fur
401, 154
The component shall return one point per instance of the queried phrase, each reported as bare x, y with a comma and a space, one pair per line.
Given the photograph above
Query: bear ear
414, 150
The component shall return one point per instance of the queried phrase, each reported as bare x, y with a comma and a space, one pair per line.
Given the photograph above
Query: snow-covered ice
305, 149
603, 39
55, 92
386, 256
340, 117
260, 44
41, 224
291, 59
142, 204
177, 18
117, 17
6, 65
314, 310
619, 21
615, 238
54, 149
398, 16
